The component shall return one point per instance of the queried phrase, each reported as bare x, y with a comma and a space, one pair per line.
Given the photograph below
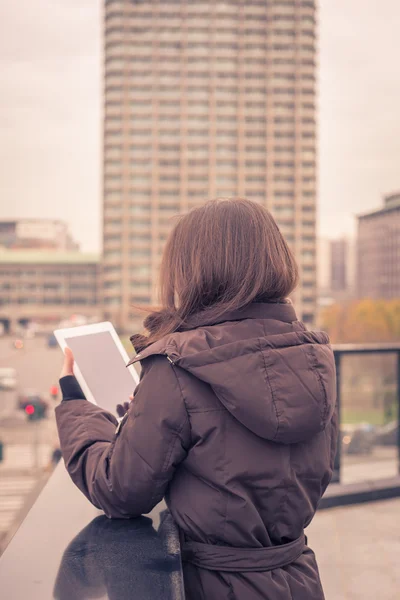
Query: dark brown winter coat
235, 424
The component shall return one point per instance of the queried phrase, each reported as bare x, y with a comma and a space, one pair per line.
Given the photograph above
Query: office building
378, 251
336, 270
205, 100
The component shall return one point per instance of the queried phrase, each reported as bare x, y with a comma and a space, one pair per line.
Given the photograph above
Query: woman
234, 419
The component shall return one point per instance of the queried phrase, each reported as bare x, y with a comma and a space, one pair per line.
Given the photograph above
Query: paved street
358, 549
27, 445
37, 366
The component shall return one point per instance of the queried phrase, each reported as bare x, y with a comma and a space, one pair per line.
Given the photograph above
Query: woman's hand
68, 366
122, 409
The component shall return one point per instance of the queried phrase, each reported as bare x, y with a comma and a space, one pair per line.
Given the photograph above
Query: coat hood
282, 386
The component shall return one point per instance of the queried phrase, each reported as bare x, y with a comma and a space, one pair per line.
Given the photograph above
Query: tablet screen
103, 368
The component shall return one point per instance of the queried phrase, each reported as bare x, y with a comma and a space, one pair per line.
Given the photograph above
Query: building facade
336, 270
40, 234
205, 99
378, 251
47, 286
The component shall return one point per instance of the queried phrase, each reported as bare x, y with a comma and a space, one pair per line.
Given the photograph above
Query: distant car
51, 341
388, 435
358, 439
31, 397
8, 378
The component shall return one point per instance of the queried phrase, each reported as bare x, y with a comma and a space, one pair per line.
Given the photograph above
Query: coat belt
228, 558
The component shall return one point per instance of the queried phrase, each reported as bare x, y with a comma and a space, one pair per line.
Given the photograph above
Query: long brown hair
219, 257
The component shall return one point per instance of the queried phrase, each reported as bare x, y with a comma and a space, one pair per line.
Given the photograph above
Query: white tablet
100, 363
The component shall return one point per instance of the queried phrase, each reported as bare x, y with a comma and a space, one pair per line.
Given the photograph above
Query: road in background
27, 446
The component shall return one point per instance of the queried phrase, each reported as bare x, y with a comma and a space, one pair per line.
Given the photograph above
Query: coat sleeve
125, 469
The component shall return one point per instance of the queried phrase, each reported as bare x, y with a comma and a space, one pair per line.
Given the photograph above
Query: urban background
119, 115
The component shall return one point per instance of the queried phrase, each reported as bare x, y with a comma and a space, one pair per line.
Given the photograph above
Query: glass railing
368, 379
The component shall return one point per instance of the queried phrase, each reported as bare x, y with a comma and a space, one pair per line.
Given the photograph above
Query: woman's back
259, 392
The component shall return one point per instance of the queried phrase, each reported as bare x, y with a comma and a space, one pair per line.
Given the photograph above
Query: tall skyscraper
205, 99
378, 251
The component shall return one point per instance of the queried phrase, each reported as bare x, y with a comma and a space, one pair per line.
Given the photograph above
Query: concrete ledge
339, 494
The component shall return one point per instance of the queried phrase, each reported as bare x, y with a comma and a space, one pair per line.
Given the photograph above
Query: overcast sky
50, 111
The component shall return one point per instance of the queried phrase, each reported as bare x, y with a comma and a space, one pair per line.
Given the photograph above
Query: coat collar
280, 311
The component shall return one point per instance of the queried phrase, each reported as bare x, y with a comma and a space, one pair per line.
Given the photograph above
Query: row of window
295, 3
221, 16
115, 151
130, 53
204, 91
66, 275
115, 131
279, 209
71, 300
116, 73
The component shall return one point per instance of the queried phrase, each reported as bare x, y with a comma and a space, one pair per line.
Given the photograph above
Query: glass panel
369, 417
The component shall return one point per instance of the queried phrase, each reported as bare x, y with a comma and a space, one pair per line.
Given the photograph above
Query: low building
40, 234
47, 286
378, 251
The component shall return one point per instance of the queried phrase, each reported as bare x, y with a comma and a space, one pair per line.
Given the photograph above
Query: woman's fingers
68, 366
122, 409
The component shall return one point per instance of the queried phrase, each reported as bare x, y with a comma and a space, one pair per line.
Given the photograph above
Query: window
197, 193
287, 163
142, 178
169, 163
169, 177
283, 61
260, 120
259, 148
226, 133
284, 194
198, 132
284, 134
256, 46
255, 164
169, 193
283, 212
308, 254
139, 252
287, 149
140, 300
113, 301
308, 318
198, 163
284, 32
289, 91
139, 209
171, 208
227, 45
255, 178
285, 178
226, 179
252, 104
226, 163
255, 134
